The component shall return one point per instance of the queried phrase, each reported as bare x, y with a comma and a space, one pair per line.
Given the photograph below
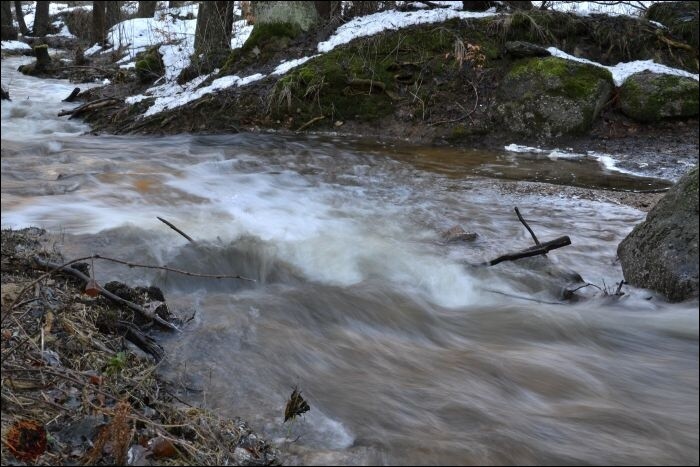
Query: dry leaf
296, 405
26, 440
162, 448
92, 289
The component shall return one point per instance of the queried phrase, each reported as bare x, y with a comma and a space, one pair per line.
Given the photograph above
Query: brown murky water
405, 353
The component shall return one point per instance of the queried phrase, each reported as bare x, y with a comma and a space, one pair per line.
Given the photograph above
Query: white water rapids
405, 353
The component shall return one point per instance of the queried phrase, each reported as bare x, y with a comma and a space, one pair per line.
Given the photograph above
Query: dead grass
98, 401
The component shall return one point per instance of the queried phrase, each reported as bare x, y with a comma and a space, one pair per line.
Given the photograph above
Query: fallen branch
534, 237
361, 83
62, 267
175, 229
165, 268
311, 122
672, 43
106, 293
72, 96
96, 104
540, 249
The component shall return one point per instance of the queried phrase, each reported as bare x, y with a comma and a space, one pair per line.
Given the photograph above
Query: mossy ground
404, 71
577, 81
149, 66
412, 78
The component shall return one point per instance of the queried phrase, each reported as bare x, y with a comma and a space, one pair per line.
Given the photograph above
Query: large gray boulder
661, 253
650, 97
551, 97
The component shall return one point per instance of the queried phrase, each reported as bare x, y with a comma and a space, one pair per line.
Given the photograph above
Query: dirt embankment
438, 83
79, 377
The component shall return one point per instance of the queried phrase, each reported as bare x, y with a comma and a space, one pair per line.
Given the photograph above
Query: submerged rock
550, 97
661, 253
649, 97
458, 234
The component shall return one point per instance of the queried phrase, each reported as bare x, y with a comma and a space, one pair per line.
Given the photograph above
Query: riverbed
406, 352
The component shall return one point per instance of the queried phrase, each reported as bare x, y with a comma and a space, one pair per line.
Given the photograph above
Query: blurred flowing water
406, 354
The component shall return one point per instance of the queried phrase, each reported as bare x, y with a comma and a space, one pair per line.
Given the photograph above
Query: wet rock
551, 97
661, 253
122, 290
521, 49
650, 97
458, 234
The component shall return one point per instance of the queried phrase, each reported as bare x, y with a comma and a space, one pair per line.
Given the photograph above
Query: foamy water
405, 353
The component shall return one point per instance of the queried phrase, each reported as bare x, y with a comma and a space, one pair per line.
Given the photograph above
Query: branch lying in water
105, 293
64, 268
540, 249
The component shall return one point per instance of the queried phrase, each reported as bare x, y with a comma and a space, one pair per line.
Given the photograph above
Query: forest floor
78, 388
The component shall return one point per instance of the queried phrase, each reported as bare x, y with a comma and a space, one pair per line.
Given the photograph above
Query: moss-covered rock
149, 66
551, 97
661, 253
649, 97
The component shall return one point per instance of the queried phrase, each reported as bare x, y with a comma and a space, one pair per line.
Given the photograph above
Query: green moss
262, 44
149, 66
406, 63
650, 97
263, 33
576, 81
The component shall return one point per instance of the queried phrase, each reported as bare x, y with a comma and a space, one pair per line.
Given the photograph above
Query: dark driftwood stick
311, 122
175, 229
540, 249
537, 242
106, 293
90, 105
72, 96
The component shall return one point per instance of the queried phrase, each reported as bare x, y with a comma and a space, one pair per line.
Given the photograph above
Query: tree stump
43, 61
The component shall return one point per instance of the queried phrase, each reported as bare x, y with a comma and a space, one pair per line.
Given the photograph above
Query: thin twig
311, 122
175, 229
534, 237
179, 271
106, 293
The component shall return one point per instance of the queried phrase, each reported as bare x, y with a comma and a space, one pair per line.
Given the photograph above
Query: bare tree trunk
41, 19
99, 22
146, 9
7, 29
299, 14
363, 8
114, 13
477, 6
20, 19
520, 5
327, 10
214, 27
483, 6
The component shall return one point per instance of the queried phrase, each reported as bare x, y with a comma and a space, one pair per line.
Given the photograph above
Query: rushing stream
405, 353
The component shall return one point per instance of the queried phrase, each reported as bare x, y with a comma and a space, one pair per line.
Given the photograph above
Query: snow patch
391, 20
622, 71
284, 67
14, 45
